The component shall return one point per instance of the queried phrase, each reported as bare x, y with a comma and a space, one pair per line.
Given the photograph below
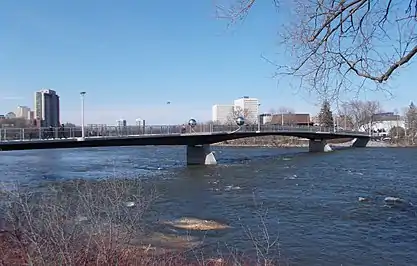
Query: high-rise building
23, 112
249, 107
47, 108
222, 113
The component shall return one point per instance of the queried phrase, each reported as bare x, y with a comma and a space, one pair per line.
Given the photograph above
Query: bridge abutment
200, 155
360, 142
319, 145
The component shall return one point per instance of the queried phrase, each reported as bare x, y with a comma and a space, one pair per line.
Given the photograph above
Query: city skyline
203, 111
138, 63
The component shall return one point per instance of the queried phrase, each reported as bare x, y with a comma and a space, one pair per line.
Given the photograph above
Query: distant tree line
356, 115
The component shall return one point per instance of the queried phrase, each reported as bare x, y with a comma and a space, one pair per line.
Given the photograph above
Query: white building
23, 112
47, 108
10, 115
222, 113
250, 108
383, 124
265, 118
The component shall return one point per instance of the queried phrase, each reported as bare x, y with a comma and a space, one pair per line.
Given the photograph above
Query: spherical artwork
192, 122
240, 121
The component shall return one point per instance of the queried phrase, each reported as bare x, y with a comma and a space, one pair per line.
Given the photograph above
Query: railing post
23, 134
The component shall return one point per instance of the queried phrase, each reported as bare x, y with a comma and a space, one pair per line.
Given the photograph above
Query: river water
308, 201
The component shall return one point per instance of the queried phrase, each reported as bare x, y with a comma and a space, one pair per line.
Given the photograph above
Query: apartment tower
222, 113
250, 107
23, 112
47, 108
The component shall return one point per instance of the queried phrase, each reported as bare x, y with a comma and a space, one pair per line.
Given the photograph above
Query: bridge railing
23, 134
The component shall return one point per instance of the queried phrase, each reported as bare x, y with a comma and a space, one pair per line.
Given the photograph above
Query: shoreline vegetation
294, 142
114, 222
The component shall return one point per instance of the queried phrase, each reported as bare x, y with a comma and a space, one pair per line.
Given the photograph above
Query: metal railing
27, 134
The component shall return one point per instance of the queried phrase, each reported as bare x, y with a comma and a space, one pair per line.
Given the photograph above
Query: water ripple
309, 200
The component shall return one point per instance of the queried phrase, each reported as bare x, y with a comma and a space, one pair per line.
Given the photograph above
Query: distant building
47, 108
31, 115
250, 107
291, 119
381, 124
265, 119
222, 113
10, 115
23, 112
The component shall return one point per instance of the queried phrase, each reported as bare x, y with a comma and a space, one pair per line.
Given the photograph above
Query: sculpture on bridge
240, 121
192, 123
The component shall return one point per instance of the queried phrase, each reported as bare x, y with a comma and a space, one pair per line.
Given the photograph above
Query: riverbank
293, 142
266, 141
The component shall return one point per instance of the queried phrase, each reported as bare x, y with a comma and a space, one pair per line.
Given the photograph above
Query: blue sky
131, 57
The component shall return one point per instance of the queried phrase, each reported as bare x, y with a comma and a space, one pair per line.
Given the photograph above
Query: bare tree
239, 112
286, 110
332, 42
361, 112
345, 117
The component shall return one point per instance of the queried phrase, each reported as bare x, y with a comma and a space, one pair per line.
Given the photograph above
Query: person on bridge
62, 132
50, 132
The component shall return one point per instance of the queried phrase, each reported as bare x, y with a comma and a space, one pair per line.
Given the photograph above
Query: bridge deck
191, 138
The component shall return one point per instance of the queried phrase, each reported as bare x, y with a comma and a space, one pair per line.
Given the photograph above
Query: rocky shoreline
266, 141
292, 142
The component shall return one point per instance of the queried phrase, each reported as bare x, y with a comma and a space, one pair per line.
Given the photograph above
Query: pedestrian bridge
197, 138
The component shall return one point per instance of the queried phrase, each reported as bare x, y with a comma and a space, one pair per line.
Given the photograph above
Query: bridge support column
200, 155
360, 142
318, 146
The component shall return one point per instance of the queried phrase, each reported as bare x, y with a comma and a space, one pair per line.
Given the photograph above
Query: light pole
82, 94
168, 126
259, 119
138, 124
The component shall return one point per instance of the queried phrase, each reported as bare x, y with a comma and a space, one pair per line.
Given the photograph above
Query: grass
104, 223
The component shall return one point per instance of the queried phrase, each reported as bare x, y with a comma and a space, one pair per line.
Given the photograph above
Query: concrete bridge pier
200, 155
318, 145
360, 142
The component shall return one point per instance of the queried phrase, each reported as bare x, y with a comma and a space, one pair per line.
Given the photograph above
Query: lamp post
168, 126
259, 118
138, 124
82, 94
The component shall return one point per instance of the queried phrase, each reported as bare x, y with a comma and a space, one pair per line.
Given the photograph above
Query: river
309, 201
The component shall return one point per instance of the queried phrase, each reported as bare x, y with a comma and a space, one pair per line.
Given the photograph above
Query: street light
82, 94
138, 124
259, 118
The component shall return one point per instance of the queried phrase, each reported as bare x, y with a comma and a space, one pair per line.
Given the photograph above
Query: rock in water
393, 200
196, 224
362, 199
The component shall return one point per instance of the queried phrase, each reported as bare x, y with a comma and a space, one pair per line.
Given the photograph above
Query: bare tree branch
336, 46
